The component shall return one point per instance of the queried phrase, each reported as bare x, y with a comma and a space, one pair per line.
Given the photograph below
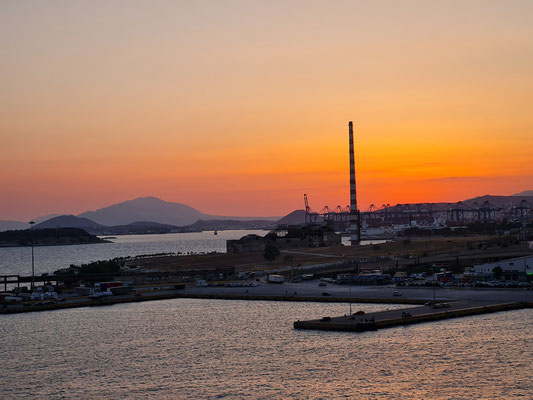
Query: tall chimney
354, 213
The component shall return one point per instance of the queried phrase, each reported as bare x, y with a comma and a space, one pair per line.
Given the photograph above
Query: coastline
303, 292
178, 294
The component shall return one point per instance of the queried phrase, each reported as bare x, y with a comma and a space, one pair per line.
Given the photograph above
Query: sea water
226, 349
213, 349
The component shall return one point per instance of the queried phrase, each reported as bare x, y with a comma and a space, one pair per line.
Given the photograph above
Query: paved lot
311, 288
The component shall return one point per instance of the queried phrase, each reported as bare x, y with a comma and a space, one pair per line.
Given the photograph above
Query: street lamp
351, 275
350, 296
433, 282
434, 287
32, 257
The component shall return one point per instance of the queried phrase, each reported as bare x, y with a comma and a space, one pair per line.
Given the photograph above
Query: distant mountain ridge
47, 236
68, 221
151, 212
155, 210
13, 225
294, 218
524, 193
20, 225
231, 224
499, 201
144, 209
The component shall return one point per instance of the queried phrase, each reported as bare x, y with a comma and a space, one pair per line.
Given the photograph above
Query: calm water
215, 349
17, 260
212, 349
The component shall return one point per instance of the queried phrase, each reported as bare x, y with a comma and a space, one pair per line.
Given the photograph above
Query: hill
43, 218
145, 209
21, 225
499, 201
47, 237
68, 221
524, 193
294, 218
227, 224
154, 210
12, 225
138, 227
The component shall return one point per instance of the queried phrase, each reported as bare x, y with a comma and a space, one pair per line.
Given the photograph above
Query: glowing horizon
240, 108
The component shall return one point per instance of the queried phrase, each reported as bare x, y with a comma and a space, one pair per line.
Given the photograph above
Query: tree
271, 253
497, 271
288, 258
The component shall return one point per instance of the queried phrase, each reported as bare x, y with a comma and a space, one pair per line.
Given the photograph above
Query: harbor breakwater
149, 296
408, 316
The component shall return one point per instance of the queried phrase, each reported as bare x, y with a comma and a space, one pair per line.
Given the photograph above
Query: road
304, 290
311, 288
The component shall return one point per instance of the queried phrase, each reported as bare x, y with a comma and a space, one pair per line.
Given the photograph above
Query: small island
48, 237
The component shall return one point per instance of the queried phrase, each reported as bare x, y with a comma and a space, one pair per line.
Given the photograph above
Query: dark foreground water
216, 349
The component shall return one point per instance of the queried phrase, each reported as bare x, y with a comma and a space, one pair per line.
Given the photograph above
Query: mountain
231, 224
524, 193
38, 220
154, 210
13, 225
294, 218
68, 221
145, 209
47, 236
18, 225
498, 201
148, 224
138, 227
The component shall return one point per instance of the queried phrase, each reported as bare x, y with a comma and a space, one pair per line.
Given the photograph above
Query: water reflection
236, 349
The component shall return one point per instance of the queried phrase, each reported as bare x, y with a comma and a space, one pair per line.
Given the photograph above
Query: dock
362, 322
84, 301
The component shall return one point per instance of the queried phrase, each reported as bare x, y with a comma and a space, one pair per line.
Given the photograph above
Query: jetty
361, 321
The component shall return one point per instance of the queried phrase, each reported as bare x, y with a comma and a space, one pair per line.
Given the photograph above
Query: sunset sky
241, 107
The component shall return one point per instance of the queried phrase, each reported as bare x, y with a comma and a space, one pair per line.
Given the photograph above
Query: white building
513, 269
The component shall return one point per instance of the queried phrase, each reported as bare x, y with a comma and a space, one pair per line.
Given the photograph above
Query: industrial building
286, 238
515, 269
350, 219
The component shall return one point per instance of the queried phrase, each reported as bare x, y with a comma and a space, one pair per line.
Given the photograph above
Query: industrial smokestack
354, 213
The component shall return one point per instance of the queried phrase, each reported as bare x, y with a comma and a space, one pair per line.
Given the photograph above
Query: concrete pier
407, 316
179, 294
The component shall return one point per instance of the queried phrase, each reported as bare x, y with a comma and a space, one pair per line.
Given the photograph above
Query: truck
105, 286
117, 290
276, 279
103, 289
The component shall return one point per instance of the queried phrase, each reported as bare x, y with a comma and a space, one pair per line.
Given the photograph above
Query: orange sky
241, 107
